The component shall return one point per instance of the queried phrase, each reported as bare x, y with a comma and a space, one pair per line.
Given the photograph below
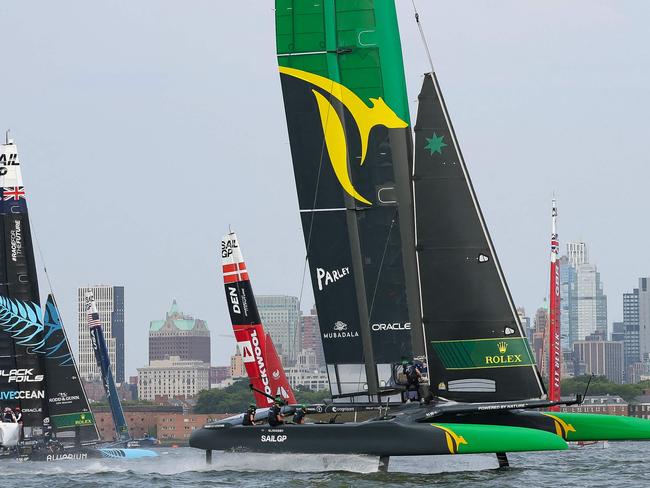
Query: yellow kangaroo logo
453, 440
562, 428
334, 133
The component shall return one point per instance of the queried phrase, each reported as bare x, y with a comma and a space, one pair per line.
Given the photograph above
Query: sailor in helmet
275, 417
299, 416
249, 415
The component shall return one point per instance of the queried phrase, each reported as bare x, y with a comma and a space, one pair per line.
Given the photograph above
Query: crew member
249, 416
8, 415
413, 377
275, 416
18, 414
299, 415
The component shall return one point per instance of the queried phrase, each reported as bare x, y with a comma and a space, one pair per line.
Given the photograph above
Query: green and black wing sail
349, 128
477, 349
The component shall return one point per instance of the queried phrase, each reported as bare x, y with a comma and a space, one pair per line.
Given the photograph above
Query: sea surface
621, 465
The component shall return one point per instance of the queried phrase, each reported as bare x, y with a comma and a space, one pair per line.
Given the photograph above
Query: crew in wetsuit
275, 417
249, 416
413, 376
299, 416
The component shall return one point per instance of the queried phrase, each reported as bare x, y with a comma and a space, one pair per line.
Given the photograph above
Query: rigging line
40, 254
313, 205
381, 267
422, 36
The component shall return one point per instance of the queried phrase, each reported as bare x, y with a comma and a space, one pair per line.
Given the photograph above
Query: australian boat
394, 204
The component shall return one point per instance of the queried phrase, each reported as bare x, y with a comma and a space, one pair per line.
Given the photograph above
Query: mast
555, 348
104, 363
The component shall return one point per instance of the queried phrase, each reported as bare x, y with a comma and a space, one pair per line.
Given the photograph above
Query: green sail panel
347, 114
477, 350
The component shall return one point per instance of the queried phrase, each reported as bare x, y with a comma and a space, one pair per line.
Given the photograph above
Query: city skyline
123, 132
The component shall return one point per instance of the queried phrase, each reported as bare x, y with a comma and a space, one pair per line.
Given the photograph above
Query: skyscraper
584, 304
179, 335
632, 346
644, 319
280, 315
110, 305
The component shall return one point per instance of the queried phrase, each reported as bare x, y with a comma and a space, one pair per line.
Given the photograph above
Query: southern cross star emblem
435, 144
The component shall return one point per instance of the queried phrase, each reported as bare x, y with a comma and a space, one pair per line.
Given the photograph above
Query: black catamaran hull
401, 435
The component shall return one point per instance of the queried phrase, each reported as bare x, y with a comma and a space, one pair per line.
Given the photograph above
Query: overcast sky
146, 128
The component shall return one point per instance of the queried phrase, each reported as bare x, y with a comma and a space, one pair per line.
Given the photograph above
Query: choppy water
621, 465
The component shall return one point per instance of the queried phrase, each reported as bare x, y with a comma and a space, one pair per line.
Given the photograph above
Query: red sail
263, 366
555, 346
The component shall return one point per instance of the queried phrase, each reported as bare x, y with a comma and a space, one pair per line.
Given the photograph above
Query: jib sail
477, 350
22, 370
67, 401
349, 130
263, 366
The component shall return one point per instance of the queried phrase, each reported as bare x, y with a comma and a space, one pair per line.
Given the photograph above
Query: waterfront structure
179, 335
640, 406
601, 357
631, 328
167, 423
310, 336
109, 300
280, 315
172, 378
601, 404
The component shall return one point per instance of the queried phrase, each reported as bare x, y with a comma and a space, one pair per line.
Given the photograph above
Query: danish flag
13, 193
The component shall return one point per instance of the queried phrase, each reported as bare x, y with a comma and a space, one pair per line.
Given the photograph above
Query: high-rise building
577, 253
110, 305
310, 336
179, 335
280, 315
632, 346
644, 319
583, 309
540, 336
237, 367
525, 322
568, 304
601, 357
618, 332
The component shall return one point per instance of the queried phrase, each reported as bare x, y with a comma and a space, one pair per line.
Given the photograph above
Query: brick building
167, 423
603, 404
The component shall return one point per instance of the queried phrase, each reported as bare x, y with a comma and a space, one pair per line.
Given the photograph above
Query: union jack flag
93, 320
13, 193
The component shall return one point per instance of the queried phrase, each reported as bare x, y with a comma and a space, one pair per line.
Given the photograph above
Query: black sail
67, 402
22, 370
477, 350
